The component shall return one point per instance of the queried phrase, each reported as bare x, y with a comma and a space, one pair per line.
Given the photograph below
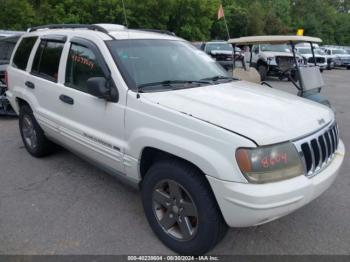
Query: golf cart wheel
181, 208
32, 135
348, 67
262, 69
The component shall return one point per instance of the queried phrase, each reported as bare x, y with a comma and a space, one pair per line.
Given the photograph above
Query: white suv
205, 149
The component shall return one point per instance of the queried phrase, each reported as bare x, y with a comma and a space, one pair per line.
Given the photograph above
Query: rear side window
47, 60
24, 49
81, 65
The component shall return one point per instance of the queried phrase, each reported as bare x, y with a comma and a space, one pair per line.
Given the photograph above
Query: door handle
29, 85
66, 99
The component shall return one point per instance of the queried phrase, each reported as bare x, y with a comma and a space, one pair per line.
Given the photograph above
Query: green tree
16, 14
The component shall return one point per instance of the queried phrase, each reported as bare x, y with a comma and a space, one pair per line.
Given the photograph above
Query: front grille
319, 60
285, 62
222, 57
317, 150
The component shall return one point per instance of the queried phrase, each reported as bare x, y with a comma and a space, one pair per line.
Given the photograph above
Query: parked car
341, 57
205, 149
8, 33
6, 47
221, 51
271, 59
320, 56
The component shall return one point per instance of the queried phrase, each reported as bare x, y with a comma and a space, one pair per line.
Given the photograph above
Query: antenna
132, 64
124, 10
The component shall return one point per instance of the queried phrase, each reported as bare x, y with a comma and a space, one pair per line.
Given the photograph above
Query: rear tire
204, 222
348, 67
32, 135
262, 69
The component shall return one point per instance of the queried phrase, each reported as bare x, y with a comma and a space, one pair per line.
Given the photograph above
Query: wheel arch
151, 154
20, 102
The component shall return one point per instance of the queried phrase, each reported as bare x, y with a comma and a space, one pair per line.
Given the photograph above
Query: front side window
82, 64
144, 62
47, 60
24, 49
304, 51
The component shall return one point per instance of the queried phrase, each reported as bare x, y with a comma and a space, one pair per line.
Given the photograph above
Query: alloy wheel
175, 210
29, 133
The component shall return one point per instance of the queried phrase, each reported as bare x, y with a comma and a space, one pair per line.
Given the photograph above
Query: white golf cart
305, 77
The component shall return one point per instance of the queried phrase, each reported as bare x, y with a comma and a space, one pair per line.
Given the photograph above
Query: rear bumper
245, 205
12, 100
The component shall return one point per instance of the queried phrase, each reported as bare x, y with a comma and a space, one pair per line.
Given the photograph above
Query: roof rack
71, 26
166, 32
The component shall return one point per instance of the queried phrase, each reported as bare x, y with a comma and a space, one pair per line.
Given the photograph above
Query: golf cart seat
311, 77
312, 82
250, 74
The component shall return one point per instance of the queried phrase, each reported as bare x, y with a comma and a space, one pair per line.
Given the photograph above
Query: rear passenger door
90, 125
44, 81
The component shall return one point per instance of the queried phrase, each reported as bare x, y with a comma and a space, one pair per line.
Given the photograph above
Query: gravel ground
63, 205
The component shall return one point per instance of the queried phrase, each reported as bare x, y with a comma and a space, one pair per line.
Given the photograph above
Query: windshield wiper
171, 83
219, 77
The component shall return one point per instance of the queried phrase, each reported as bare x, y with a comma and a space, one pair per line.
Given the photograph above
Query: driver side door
91, 126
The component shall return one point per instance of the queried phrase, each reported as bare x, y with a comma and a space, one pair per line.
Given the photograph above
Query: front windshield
218, 47
275, 48
144, 62
304, 50
339, 52
320, 52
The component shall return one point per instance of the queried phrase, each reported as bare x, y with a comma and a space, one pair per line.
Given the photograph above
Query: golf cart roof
273, 39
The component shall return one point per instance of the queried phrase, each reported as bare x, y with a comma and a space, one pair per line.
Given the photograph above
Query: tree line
194, 20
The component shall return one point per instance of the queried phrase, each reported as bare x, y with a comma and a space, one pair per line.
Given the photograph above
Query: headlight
271, 60
269, 163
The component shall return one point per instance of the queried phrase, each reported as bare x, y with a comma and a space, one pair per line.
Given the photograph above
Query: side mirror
256, 51
102, 88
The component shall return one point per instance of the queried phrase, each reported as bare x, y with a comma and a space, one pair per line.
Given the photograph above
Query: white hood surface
265, 115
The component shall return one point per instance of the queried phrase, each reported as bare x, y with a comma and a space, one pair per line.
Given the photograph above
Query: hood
222, 52
265, 115
310, 55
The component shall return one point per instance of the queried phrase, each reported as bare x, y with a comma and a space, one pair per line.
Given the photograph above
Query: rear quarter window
23, 51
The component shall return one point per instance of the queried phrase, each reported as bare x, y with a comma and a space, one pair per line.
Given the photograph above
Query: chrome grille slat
313, 163
325, 145
319, 165
317, 150
326, 138
337, 135
333, 139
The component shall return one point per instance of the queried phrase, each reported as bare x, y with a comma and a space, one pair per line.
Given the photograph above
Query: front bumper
244, 205
227, 64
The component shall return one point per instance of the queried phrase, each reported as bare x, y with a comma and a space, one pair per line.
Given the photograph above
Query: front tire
262, 69
32, 135
181, 208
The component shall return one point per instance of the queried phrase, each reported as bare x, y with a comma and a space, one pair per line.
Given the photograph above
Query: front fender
208, 160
